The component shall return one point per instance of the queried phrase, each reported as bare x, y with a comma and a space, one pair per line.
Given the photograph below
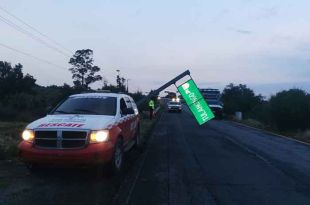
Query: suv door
133, 118
124, 121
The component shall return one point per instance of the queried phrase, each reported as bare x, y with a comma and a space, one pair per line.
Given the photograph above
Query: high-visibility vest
151, 104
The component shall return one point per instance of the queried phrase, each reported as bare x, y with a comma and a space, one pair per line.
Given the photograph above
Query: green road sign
195, 102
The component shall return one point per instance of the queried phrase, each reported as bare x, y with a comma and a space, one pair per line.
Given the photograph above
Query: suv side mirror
128, 111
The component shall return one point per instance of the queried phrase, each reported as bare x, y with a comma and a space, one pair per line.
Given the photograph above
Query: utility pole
127, 85
104, 81
118, 79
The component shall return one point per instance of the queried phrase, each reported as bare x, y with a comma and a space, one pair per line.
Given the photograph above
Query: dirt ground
53, 185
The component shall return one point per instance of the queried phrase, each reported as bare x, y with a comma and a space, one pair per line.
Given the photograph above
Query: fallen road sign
195, 102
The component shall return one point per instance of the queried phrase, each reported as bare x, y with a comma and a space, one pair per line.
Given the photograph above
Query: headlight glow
99, 136
28, 135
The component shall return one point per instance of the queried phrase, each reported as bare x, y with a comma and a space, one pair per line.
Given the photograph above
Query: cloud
241, 31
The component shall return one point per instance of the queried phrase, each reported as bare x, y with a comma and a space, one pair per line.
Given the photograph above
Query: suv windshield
87, 105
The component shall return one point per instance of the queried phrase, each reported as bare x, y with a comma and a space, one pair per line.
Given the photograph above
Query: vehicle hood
88, 122
215, 106
170, 105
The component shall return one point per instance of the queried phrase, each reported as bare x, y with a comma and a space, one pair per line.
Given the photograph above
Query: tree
12, 80
111, 88
120, 82
83, 70
239, 98
290, 110
138, 95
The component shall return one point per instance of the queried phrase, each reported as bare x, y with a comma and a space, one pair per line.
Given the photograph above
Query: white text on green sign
196, 102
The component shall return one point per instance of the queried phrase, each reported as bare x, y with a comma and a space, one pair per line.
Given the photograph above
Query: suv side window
123, 105
128, 102
134, 106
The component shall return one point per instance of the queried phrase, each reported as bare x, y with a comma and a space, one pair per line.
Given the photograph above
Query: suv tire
118, 157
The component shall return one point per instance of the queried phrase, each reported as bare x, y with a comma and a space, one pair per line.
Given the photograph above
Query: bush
30, 106
239, 98
260, 112
9, 138
290, 110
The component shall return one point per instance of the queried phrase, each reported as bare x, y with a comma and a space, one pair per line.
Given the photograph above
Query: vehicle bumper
174, 109
91, 154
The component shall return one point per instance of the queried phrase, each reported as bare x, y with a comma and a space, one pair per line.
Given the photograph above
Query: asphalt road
183, 163
217, 163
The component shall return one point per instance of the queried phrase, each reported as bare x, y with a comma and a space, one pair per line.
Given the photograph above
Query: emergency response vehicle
84, 129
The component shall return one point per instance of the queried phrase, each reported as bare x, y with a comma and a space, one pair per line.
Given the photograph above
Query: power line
25, 32
34, 29
32, 56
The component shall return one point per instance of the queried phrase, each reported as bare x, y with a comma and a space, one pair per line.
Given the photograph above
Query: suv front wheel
118, 157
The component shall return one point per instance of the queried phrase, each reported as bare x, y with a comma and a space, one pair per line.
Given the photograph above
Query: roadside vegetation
9, 138
147, 125
21, 99
287, 112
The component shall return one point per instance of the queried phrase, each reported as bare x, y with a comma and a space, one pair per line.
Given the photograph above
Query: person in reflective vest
151, 108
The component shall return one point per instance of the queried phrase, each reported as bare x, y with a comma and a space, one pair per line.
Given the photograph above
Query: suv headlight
28, 135
99, 136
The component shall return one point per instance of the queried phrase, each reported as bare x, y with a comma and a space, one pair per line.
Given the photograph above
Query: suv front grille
60, 139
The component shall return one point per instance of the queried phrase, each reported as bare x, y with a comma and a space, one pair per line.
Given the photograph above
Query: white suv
91, 128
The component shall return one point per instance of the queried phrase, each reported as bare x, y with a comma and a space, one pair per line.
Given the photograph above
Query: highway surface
183, 163
218, 163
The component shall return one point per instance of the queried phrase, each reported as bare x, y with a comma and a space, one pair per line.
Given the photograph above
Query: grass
9, 138
303, 136
147, 125
253, 123
4, 183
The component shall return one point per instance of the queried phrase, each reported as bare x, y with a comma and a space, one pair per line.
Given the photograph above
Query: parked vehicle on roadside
212, 96
174, 106
85, 129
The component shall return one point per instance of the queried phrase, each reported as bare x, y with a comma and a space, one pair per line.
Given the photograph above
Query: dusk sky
262, 43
